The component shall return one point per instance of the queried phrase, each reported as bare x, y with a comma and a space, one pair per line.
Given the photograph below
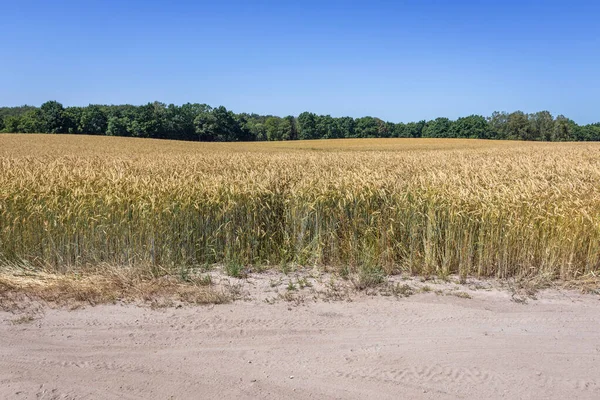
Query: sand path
424, 346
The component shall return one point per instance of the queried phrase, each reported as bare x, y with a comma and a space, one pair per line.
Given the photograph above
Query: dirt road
424, 346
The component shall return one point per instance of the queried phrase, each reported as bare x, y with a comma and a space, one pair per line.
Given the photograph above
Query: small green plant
402, 290
303, 282
462, 295
344, 272
235, 270
291, 286
25, 319
184, 274
204, 280
426, 289
285, 268
368, 278
274, 283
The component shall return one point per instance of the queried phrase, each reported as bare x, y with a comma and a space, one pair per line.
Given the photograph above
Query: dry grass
109, 285
421, 206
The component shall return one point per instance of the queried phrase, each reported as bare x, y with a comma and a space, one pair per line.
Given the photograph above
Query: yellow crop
429, 206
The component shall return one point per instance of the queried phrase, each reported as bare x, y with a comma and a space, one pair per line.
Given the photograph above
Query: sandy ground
423, 346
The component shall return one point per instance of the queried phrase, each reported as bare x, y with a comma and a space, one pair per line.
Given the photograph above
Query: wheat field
419, 206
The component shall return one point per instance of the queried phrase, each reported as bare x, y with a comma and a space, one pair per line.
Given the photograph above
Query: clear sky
397, 60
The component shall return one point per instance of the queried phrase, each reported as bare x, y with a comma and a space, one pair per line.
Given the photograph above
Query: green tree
307, 126
498, 125
117, 126
384, 129
272, 128
390, 129
327, 127
33, 121
400, 130
219, 125
288, 128
179, 121
437, 128
563, 129
415, 129
255, 124
473, 127
590, 132
72, 119
52, 117
367, 127
347, 127
11, 123
542, 125
93, 121
201, 122
518, 127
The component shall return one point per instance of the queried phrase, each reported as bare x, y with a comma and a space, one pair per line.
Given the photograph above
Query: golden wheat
423, 206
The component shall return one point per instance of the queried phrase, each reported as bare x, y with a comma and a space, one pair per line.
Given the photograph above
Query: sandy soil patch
284, 342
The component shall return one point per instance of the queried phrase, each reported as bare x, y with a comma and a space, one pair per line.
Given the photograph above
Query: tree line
200, 122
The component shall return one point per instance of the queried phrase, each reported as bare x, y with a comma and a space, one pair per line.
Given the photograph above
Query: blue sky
398, 60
